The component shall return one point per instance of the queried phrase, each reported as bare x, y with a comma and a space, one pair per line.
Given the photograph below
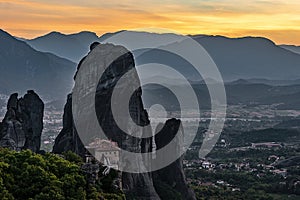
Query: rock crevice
22, 125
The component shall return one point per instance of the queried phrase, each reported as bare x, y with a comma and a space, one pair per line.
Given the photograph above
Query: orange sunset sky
278, 20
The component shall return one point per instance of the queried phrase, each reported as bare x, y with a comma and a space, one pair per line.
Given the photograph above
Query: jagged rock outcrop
135, 185
22, 125
68, 139
173, 175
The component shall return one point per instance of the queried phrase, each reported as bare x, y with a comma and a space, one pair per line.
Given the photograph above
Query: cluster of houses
217, 184
260, 169
263, 145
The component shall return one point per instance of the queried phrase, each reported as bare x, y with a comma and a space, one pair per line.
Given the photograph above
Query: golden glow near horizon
278, 20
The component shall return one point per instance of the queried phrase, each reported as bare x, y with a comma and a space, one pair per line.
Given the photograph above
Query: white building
106, 152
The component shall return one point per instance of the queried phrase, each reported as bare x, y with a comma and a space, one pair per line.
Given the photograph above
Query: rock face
22, 125
68, 139
135, 186
172, 175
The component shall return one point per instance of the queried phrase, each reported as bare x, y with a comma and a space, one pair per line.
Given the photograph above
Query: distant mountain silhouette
75, 46
236, 58
108, 35
23, 68
295, 49
251, 57
255, 69
72, 47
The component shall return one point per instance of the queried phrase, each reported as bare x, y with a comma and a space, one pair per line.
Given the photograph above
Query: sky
278, 20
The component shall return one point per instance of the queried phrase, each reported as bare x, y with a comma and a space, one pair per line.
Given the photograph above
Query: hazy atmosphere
278, 20
150, 100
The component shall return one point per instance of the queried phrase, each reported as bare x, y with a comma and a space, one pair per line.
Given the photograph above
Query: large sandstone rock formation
68, 139
22, 125
173, 175
136, 186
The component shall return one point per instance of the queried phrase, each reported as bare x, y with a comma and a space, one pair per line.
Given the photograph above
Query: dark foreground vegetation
26, 175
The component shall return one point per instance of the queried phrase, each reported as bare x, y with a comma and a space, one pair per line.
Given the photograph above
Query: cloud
32, 17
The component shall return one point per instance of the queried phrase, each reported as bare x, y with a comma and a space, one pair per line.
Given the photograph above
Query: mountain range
236, 58
293, 48
23, 68
72, 47
251, 57
48, 63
